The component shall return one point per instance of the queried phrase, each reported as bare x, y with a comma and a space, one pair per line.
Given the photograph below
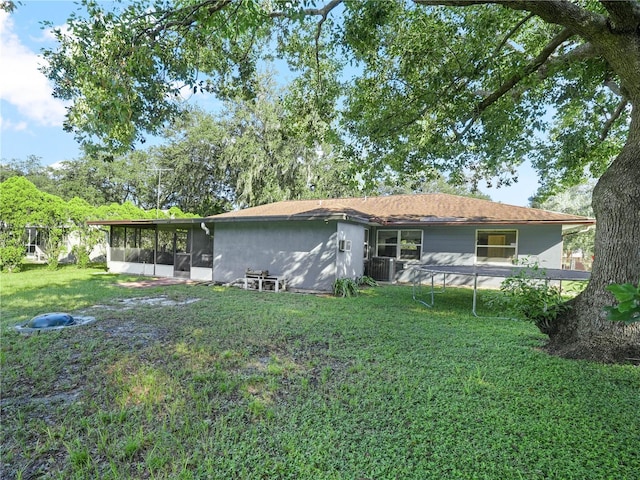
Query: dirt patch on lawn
131, 303
157, 282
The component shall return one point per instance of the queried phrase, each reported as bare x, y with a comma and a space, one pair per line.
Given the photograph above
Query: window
496, 246
132, 244
202, 249
401, 244
117, 244
183, 241
147, 245
35, 239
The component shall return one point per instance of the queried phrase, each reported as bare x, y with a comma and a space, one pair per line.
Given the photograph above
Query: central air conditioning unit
382, 269
344, 245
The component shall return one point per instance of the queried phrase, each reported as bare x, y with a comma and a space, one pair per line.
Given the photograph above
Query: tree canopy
448, 100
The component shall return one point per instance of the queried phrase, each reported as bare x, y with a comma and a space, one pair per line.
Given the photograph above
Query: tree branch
558, 12
323, 13
185, 17
534, 65
510, 33
595, 28
611, 120
624, 15
323, 18
581, 52
312, 12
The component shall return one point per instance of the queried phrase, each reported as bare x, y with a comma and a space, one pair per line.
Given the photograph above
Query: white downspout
208, 233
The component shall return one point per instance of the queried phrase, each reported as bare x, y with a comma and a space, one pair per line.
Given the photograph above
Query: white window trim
496, 230
398, 241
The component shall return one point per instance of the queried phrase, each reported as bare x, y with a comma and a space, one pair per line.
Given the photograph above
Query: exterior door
182, 254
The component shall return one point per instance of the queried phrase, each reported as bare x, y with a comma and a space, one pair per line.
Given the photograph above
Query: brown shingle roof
406, 209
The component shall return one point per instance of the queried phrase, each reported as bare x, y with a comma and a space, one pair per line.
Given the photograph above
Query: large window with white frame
496, 246
400, 244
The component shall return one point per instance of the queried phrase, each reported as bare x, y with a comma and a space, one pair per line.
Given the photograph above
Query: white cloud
9, 125
22, 84
57, 165
48, 36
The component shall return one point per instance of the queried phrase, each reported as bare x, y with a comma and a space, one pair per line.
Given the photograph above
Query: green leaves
345, 287
125, 68
424, 75
24, 205
348, 287
628, 308
470, 90
529, 296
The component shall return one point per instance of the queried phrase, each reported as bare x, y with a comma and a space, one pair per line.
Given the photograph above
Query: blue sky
31, 119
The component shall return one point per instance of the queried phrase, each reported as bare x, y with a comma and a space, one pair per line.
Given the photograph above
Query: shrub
11, 258
348, 287
54, 247
628, 308
345, 287
528, 295
81, 256
366, 280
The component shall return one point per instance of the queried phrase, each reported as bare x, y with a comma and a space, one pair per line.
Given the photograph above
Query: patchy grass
246, 385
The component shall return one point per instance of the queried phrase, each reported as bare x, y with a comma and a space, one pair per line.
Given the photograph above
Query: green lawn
257, 385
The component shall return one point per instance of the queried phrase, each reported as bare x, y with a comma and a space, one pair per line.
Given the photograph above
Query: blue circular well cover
47, 320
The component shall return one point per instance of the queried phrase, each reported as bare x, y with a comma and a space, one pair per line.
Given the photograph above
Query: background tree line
254, 151
249, 153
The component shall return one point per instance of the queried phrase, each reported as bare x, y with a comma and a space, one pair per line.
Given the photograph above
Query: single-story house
314, 242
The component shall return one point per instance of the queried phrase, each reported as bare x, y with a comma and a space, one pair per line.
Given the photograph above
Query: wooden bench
261, 280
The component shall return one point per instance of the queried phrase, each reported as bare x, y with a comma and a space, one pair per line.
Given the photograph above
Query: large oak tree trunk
585, 332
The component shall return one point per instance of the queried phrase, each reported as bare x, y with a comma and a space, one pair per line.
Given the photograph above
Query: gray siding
451, 245
456, 245
303, 251
350, 264
307, 252
541, 243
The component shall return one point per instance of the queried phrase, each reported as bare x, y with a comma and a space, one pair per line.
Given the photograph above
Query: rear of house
314, 242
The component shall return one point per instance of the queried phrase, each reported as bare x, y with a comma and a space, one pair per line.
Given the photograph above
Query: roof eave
336, 217
489, 222
283, 218
152, 221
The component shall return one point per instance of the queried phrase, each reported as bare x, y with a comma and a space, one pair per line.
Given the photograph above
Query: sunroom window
496, 246
400, 244
132, 244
